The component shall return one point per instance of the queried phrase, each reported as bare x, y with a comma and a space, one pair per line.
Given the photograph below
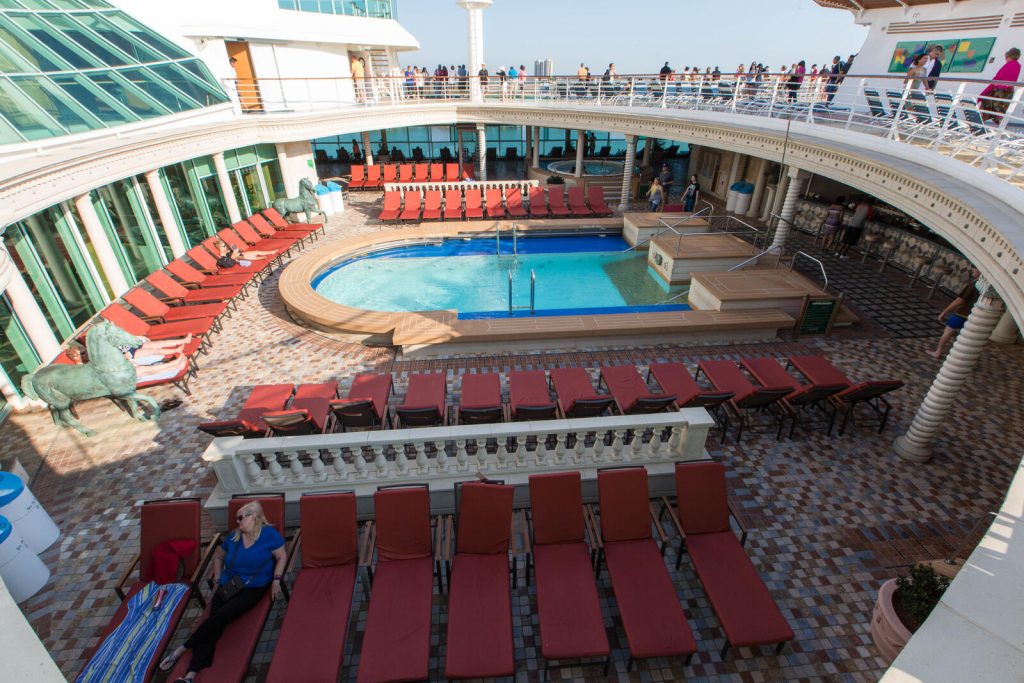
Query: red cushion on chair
314, 398
571, 624
626, 385
571, 385
234, 648
726, 376
329, 534
528, 388
770, 373
312, 640
485, 519
557, 503
481, 390
377, 388
652, 617
396, 645
701, 497
748, 614
675, 378
625, 506
403, 523
819, 370
167, 520
480, 615
426, 390
264, 398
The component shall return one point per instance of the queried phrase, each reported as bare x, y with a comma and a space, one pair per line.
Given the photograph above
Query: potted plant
556, 180
903, 605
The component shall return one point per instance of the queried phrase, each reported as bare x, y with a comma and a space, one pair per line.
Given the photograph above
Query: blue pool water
575, 275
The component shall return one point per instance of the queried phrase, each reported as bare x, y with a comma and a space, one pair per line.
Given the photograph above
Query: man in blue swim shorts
957, 310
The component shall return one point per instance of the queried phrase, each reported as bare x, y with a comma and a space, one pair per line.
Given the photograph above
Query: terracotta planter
888, 632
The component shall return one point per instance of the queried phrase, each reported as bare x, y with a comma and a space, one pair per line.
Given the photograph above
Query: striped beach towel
125, 654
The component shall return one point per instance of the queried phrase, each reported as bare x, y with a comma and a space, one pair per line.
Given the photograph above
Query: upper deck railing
950, 116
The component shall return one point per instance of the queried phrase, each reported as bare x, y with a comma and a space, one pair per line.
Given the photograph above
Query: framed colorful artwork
971, 55
906, 51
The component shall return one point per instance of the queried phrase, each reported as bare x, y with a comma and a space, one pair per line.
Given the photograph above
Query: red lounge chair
282, 242
154, 310
480, 402
390, 174
425, 402
365, 406
742, 603
264, 398
437, 173
576, 395
311, 644
412, 206
595, 193
396, 643
192, 276
405, 173
308, 412
479, 639
495, 207
279, 223
571, 623
529, 396
652, 618
392, 206
818, 369
374, 181
358, 181
422, 173
161, 521
632, 395
473, 208
236, 645
203, 255
180, 379
451, 173
674, 378
432, 205
174, 291
538, 205
770, 372
468, 171
453, 205
556, 202
266, 228
232, 238
747, 398
514, 203
577, 203
132, 324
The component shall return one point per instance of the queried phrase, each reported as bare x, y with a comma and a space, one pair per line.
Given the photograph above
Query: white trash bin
21, 569
25, 513
323, 200
334, 190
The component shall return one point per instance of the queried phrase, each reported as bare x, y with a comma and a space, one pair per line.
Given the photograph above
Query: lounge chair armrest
592, 529
666, 506
525, 532
119, 587
446, 530
739, 523
207, 557
368, 544
296, 545
662, 536
171, 300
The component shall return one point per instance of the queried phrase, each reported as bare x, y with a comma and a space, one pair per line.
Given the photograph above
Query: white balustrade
442, 455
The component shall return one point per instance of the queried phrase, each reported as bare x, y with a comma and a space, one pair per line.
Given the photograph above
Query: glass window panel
253, 188
56, 41
93, 99
133, 46
16, 354
67, 4
199, 70
119, 206
55, 102
24, 115
308, 5
10, 4
215, 202
76, 32
149, 207
24, 257
144, 80
124, 93
8, 133
184, 196
145, 35
240, 197
82, 237
36, 4
11, 61
286, 4
184, 81
28, 49
273, 181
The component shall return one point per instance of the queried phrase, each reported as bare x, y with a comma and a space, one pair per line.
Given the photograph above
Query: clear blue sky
638, 35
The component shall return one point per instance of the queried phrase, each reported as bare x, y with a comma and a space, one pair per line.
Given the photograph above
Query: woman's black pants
203, 641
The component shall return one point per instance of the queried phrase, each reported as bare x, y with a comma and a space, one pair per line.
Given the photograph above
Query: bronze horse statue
304, 203
108, 373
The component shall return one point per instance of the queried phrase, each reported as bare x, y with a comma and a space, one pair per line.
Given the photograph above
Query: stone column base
909, 451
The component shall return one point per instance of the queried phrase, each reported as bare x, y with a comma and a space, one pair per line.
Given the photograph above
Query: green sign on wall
962, 55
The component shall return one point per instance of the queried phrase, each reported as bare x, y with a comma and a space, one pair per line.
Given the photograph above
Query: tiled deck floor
828, 516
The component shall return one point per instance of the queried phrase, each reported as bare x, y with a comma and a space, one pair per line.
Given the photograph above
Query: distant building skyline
543, 67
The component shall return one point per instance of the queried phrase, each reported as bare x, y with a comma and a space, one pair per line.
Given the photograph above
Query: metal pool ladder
533, 292
515, 242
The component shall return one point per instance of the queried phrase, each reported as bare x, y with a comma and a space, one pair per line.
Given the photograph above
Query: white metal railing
436, 455
952, 117
523, 185
670, 228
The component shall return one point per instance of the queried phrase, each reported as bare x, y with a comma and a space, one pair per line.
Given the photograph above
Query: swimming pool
593, 167
574, 276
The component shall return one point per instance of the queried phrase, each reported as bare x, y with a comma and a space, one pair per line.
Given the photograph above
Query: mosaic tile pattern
829, 518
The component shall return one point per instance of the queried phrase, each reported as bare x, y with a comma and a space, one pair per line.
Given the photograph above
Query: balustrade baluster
401, 459
580, 449
501, 454
655, 443
379, 460
541, 454
341, 469
442, 457
598, 449
483, 457
637, 443
318, 467
296, 468
274, 467
560, 438
252, 469
520, 451
676, 443
422, 464
461, 456
617, 444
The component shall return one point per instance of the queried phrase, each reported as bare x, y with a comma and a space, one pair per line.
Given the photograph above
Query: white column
646, 161
788, 208
581, 145
536, 146
104, 251
1006, 330
286, 169
759, 183
692, 164
27, 309
734, 172
481, 151
627, 172
529, 146
230, 201
167, 217
475, 30
935, 410
367, 151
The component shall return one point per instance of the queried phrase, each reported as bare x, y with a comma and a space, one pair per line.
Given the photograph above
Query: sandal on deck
168, 662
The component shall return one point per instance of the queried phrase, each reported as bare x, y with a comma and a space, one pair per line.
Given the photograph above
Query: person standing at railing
916, 72
483, 74
522, 78
933, 67
663, 74
463, 79
796, 79
834, 72
832, 224
513, 79
358, 74
995, 98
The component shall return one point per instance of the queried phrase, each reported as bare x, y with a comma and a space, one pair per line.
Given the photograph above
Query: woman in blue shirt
254, 553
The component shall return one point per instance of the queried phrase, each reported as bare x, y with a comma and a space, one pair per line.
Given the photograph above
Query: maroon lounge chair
396, 643
263, 398
279, 223
358, 181
744, 607
632, 395
595, 194
204, 257
675, 378
514, 203
425, 402
495, 206
819, 369
479, 642
173, 291
236, 645
556, 202
473, 205
652, 617
480, 402
770, 372
132, 324
529, 396
571, 623
365, 406
281, 241
453, 205
392, 206
411, 212
268, 226
308, 412
154, 310
748, 399
576, 394
193, 277
538, 205
432, 205
311, 644
577, 203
